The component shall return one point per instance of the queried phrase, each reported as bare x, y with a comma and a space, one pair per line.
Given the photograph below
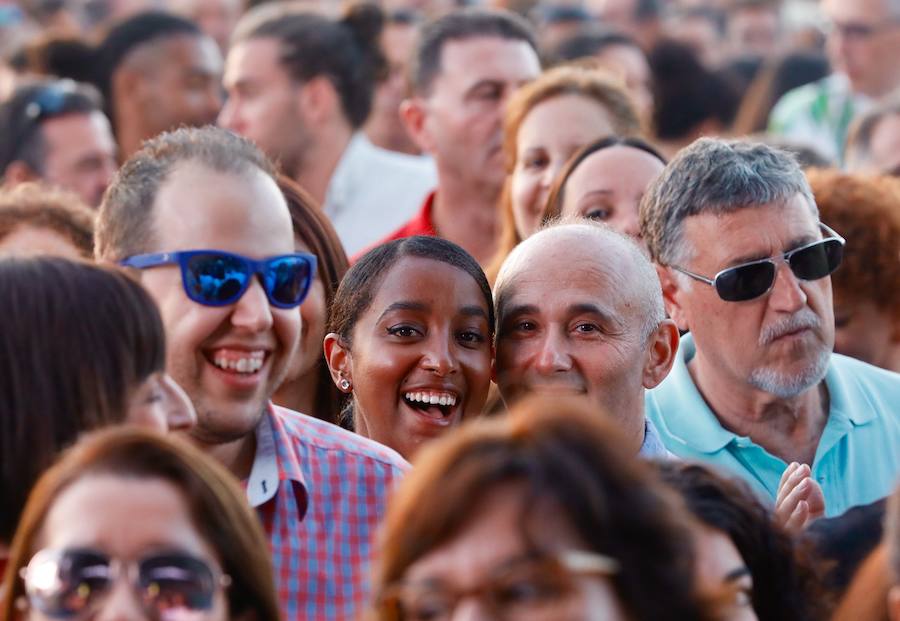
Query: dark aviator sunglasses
753, 279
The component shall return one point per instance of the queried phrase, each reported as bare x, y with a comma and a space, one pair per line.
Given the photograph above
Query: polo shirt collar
694, 423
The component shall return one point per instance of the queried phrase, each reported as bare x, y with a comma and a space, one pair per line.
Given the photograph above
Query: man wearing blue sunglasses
198, 216
744, 264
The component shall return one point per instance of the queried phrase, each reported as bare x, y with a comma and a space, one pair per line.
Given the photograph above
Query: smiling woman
410, 341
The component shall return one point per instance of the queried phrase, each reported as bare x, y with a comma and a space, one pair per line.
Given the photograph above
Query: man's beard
788, 385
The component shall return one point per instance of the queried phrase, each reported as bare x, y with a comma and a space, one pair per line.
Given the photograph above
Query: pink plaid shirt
320, 492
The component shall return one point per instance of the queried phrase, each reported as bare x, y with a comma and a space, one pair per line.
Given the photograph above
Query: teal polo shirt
858, 457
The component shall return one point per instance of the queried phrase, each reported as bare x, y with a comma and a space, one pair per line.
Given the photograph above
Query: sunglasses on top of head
753, 279
218, 278
73, 583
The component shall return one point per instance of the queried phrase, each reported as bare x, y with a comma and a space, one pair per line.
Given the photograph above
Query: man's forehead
859, 10
491, 50
196, 200
563, 282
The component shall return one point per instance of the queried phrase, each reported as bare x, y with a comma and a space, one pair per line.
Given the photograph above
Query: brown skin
164, 84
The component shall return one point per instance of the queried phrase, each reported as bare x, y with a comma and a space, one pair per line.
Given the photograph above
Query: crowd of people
420, 310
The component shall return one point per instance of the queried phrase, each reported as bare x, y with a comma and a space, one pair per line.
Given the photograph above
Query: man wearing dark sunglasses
54, 131
198, 216
744, 264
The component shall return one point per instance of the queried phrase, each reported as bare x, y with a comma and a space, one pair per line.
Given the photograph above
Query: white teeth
443, 398
250, 364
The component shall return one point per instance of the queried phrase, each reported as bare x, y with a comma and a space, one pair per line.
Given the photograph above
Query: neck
236, 456
129, 136
787, 428
892, 363
300, 393
466, 214
318, 164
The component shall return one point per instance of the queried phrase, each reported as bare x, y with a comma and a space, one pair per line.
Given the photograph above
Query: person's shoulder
320, 435
383, 159
800, 100
865, 374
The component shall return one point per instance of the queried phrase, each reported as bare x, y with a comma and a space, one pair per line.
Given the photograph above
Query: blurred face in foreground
489, 571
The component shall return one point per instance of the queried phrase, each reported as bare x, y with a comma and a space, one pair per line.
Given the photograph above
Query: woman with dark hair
605, 181
308, 387
776, 577
173, 524
81, 347
540, 515
410, 341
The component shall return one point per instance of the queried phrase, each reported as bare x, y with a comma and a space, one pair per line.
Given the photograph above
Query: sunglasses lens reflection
745, 282
215, 279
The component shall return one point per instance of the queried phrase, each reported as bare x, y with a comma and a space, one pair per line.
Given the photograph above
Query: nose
228, 115
631, 226
553, 356
121, 604
470, 609
180, 414
550, 175
787, 295
438, 356
252, 312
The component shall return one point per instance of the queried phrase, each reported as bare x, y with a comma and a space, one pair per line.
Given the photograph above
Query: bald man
580, 311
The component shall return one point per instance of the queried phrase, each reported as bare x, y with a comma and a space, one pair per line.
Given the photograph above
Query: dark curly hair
786, 582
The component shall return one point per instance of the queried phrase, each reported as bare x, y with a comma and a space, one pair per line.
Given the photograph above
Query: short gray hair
648, 290
718, 177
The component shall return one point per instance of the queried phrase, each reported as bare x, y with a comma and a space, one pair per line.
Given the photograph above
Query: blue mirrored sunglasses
217, 278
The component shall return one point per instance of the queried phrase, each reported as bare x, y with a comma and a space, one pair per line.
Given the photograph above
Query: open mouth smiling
438, 406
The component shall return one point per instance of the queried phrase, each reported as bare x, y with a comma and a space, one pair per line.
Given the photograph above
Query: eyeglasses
756, 278
67, 584
217, 278
532, 589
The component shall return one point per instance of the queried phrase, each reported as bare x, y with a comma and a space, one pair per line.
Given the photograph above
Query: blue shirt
858, 457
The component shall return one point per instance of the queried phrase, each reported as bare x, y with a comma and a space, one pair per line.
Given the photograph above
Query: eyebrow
515, 311
403, 305
473, 311
736, 574
793, 245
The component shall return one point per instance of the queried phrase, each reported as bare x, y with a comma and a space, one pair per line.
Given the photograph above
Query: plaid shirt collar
273, 464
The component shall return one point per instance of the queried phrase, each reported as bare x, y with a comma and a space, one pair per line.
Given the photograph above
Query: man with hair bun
300, 85
744, 261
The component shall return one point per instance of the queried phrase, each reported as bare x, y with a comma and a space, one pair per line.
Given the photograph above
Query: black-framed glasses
753, 279
533, 588
69, 583
219, 278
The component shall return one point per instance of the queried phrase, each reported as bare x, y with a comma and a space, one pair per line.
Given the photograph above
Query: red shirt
421, 224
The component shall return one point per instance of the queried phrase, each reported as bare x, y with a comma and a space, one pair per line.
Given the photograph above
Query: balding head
580, 310
579, 245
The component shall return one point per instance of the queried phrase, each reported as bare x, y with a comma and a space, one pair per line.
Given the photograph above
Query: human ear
19, 172
672, 290
339, 359
661, 351
317, 99
893, 603
414, 113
